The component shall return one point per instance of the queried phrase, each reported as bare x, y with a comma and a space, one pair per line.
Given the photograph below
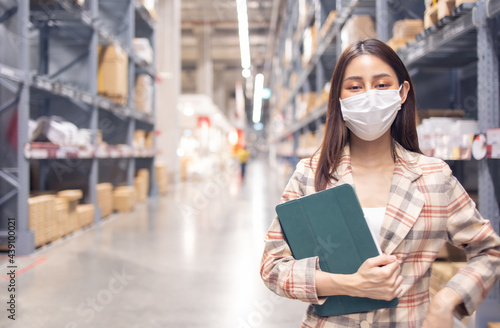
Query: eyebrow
357, 78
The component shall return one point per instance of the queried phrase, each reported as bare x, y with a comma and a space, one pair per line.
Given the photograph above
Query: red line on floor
26, 268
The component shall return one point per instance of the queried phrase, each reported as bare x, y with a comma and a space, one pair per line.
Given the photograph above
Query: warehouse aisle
190, 259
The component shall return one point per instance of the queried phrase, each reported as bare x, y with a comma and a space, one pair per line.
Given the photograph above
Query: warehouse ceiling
221, 16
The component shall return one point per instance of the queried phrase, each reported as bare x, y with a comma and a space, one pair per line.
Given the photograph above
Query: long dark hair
336, 137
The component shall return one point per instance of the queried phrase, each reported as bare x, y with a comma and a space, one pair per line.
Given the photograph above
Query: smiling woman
413, 203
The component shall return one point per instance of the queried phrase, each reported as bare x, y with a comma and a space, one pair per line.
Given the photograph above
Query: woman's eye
382, 86
354, 88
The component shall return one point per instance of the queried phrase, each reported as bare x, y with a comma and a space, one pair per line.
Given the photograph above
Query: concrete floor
188, 259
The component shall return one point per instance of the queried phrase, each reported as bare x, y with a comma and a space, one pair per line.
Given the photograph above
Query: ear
405, 88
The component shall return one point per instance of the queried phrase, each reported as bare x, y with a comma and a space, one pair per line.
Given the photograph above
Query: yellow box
113, 73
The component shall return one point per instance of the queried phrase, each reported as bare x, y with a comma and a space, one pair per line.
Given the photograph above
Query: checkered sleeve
468, 230
281, 273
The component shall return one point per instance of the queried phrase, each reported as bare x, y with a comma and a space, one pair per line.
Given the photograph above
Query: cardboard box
85, 214
61, 215
357, 28
149, 142
407, 28
494, 325
459, 2
397, 44
72, 196
139, 139
41, 212
124, 199
105, 199
113, 73
445, 8
143, 94
161, 177
430, 17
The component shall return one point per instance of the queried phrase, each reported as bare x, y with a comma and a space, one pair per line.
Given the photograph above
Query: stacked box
141, 184
445, 8
143, 93
105, 199
72, 196
61, 216
430, 14
357, 28
407, 28
149, 142
85, 214
41, 212
124, 199
113, 73
161, 177
139, 139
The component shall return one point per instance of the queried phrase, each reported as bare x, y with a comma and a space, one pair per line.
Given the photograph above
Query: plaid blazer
427, 206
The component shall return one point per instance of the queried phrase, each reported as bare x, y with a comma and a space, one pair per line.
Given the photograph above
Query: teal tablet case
330, 224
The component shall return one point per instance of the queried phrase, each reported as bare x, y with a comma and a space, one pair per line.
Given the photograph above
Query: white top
374, 217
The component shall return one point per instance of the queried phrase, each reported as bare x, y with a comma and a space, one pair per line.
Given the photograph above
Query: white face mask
370, 115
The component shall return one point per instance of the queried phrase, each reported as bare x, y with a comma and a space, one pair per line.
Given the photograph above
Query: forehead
367, 66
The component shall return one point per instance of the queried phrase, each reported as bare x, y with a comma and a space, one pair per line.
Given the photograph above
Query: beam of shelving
434, 43
493, 8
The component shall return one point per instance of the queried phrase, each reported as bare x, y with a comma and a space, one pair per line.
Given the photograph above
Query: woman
411, 202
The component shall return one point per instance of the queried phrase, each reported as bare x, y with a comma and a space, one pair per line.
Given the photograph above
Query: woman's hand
441, 308
378, 278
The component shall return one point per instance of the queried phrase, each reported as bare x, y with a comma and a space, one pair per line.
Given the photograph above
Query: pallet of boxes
405, 31
53, 216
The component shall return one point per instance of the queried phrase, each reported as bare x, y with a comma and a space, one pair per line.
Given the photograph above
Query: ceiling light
246, 72
257, 98
241, 7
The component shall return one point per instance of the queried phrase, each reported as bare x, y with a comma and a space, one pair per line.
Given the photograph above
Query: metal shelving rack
468, 42
51, 68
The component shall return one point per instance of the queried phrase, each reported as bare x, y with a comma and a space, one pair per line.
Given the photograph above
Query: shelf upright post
93, 7
131, 78
382, 20
488, 117
25, 239
154, 185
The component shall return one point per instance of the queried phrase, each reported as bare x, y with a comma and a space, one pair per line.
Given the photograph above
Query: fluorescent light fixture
246, 72
257, 97
241, 7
